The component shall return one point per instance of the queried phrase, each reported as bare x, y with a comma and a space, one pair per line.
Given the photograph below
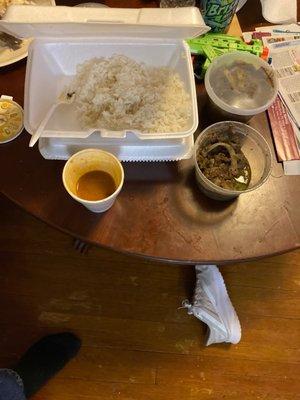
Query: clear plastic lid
11, 119
241, 83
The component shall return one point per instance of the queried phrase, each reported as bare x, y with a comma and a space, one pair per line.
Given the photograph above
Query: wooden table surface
160, 212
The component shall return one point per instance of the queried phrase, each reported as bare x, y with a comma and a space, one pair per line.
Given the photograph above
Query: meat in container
66, 37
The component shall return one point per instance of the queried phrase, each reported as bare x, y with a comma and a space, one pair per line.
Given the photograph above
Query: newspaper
283, 42
269, 40
279, 29
286, 62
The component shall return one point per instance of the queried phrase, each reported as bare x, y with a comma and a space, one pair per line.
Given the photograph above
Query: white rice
119, 93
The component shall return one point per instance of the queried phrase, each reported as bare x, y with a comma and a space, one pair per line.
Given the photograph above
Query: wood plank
144, 298
114, 365
106, 365
269, 335
132, 302
280, 273
260, 274
292, 258
215, 390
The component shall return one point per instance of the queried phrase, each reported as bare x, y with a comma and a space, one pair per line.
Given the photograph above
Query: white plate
128, 149
8, 56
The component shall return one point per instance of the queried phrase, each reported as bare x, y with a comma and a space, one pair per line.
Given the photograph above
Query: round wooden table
160, 213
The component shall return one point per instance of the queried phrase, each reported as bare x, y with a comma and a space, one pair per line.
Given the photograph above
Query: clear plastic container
11, 119
240, 85
92, 5
255, 149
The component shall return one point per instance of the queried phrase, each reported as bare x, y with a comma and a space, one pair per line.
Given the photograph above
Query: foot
44, 359
212, 305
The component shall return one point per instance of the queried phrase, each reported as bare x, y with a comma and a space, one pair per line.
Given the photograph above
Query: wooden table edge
145, 256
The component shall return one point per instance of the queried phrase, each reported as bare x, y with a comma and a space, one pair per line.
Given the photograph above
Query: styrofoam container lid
36, 21
241, 83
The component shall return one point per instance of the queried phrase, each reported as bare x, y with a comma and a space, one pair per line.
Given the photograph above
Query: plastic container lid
92, 5
59, 21
11, 119
241, 83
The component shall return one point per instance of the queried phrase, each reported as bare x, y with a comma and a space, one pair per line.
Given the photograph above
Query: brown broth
95, 185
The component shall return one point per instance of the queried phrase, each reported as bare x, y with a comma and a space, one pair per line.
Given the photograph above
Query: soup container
239, 85
92, 160
255, 149
11, 119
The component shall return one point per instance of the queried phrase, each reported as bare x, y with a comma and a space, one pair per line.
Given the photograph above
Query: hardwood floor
137, 344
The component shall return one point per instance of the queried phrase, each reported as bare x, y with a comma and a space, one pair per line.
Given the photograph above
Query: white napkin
279, 11
212, 306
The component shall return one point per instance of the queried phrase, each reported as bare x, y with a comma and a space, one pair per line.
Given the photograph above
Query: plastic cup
92, 160
255, 149
218, 14
239, 86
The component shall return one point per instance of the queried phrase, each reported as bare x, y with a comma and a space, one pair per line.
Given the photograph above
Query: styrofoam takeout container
129, 149
67, 36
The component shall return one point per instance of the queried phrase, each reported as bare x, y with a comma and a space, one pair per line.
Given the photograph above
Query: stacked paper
283, 42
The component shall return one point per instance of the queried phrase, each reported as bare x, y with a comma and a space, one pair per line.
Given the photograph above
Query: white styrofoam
9, 56
60, 21
67, 36
52, 64
129, 149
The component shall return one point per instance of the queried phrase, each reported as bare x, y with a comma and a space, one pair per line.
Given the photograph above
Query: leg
11, 386
39, 364
45, 359
80, 246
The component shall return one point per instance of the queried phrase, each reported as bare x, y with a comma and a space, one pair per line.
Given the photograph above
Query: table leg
80, 246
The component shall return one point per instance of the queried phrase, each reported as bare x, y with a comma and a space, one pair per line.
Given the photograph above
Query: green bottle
218, 13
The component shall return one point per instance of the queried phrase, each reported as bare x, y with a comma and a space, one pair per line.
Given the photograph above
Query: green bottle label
218, 13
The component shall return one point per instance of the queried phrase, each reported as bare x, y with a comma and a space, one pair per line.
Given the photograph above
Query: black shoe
45, 358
